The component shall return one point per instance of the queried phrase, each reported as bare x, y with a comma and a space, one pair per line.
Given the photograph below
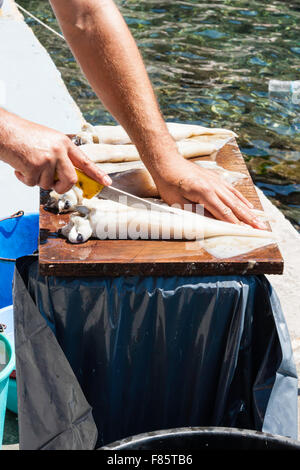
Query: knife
91, 188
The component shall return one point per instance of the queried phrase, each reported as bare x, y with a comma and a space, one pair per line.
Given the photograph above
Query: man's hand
39, 154
183, 182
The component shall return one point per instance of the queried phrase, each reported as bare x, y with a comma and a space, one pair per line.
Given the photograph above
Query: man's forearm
8, 124
109, 57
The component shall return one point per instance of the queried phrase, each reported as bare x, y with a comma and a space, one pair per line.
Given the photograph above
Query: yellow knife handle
88, 186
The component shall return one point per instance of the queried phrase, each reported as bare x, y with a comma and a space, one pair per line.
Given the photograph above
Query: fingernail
107, 180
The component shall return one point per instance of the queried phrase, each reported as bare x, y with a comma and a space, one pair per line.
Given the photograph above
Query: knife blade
91, 188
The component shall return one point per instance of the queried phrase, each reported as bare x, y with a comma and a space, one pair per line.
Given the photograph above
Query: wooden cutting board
111, 258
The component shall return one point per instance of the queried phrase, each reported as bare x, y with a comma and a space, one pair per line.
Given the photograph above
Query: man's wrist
5, 118
160, 160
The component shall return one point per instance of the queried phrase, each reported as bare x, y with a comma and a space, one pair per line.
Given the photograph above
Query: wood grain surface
113, 258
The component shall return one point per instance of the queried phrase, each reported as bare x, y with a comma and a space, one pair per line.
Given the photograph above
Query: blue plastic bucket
7, 319
18, 237
7, 364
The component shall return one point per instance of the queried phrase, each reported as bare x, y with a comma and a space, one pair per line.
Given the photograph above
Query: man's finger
241, 197
66, 176
240, 211
183, 203
220, 210
29, 180
81, 161
46, 180
20, 176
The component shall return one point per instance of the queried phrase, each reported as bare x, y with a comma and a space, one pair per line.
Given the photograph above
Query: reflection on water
210, 63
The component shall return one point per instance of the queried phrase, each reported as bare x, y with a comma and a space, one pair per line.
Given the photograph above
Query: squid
116, 135
188, 148
104, 220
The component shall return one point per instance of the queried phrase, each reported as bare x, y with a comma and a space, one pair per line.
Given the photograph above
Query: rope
39, 21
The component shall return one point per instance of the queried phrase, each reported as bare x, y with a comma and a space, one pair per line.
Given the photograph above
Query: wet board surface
112, 258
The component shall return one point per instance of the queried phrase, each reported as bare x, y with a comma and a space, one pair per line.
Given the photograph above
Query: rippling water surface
210, 63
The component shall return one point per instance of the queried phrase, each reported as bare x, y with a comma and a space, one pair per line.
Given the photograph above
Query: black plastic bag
148, 354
